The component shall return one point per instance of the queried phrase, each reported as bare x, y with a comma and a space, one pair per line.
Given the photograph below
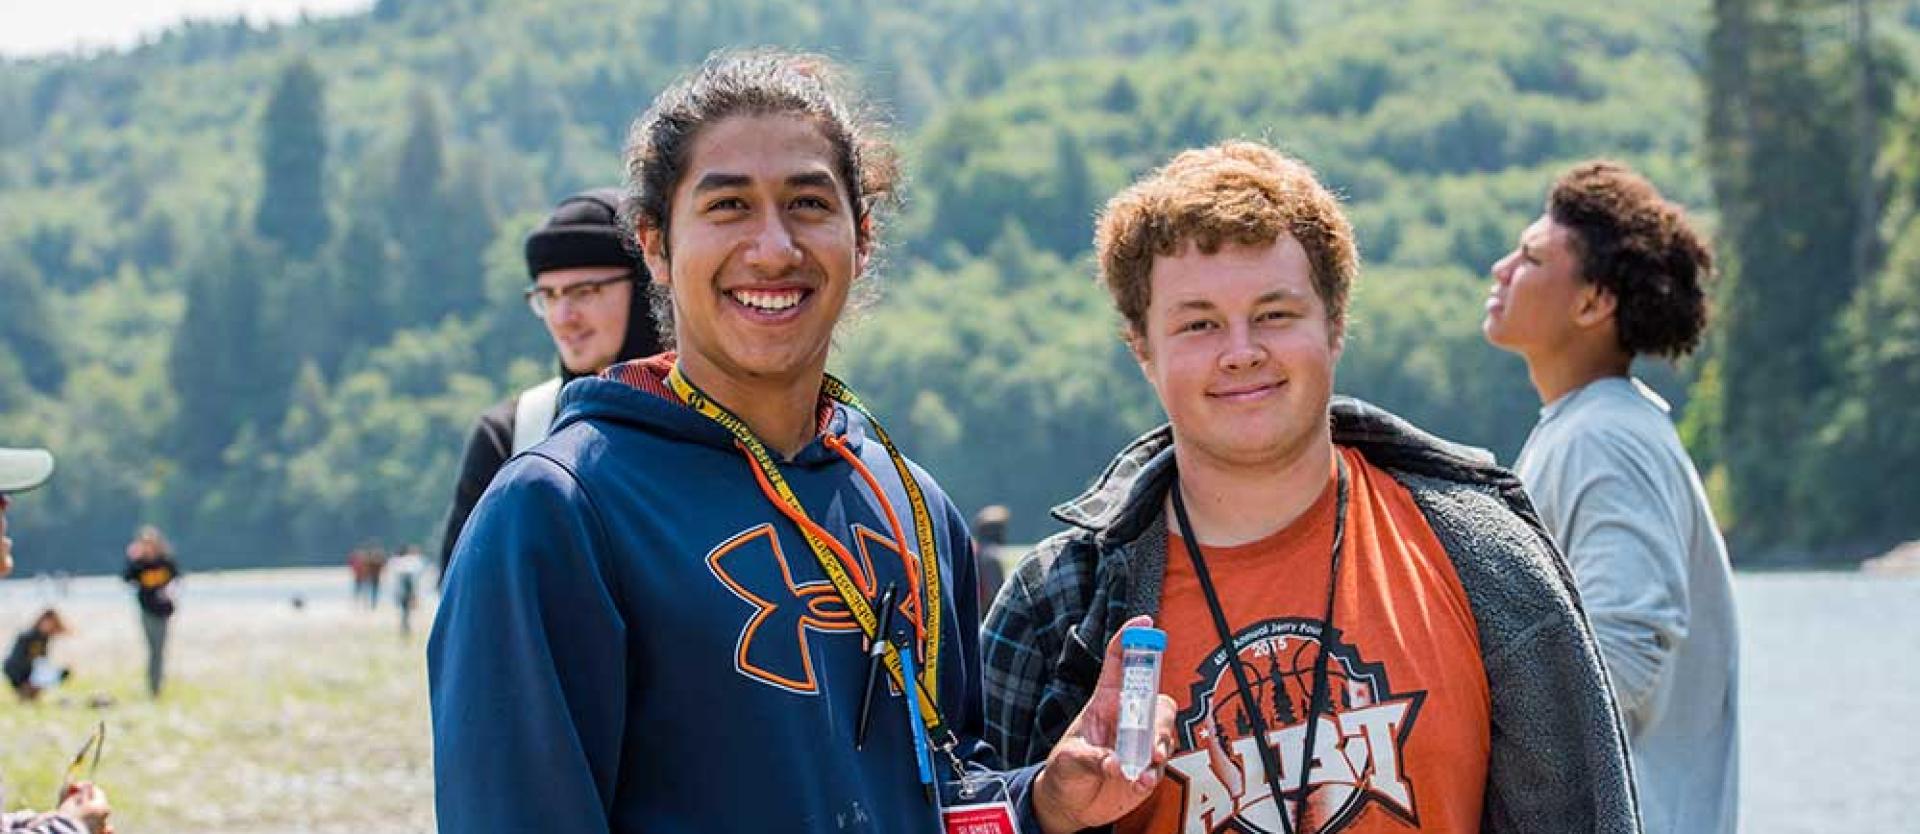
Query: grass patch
273, 719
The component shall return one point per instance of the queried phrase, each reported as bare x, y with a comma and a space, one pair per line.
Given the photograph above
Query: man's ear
653, 250
863, 244
1136, 343
1597, 306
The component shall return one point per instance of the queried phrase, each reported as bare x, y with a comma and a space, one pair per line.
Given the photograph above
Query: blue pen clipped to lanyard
922, 751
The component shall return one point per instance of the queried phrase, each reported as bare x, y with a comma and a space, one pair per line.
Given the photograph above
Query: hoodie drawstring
899, 535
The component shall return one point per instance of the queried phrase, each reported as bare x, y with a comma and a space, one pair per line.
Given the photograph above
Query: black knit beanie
584, 230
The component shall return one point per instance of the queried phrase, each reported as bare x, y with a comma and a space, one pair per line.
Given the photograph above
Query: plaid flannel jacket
1558, 761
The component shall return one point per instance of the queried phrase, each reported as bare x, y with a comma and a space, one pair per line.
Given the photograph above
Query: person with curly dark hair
1611, 272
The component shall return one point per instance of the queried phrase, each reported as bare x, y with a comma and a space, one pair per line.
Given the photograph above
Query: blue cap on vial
1143, 637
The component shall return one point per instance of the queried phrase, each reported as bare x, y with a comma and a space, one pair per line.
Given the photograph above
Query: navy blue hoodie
633, 638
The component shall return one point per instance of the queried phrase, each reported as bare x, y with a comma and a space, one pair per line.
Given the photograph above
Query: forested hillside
255, 284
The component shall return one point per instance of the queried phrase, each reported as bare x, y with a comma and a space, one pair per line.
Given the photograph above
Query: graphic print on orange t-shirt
1404, 745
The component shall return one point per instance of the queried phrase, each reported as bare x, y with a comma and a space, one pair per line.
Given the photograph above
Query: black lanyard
1316, 701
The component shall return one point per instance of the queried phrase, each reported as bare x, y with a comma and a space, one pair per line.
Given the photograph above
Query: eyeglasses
542, 300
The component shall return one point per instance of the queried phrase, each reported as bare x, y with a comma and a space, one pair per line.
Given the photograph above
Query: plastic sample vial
1140, 651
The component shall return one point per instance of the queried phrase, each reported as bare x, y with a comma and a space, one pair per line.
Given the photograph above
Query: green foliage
27, 332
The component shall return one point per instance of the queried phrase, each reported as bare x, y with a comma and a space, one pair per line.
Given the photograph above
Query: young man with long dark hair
659, 619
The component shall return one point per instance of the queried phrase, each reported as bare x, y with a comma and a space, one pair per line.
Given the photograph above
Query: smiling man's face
763, 248
1239, 348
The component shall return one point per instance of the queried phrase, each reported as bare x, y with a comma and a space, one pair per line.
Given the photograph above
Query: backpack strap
533, 414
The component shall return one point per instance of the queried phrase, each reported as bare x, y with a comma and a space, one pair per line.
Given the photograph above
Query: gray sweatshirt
1617, 491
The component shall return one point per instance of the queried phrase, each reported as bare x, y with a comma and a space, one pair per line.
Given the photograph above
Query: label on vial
1137, 686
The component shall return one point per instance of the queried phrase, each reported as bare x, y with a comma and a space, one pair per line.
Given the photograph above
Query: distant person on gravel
376, 566
27, 666
152, 572
406, 569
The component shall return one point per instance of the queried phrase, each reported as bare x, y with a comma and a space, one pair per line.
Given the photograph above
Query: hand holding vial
1085, 783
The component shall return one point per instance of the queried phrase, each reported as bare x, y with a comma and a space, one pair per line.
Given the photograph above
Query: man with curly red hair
1367, 628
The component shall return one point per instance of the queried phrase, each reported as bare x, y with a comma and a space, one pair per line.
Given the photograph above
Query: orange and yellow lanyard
833, 556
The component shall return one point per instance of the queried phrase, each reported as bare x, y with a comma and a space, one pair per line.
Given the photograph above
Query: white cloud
43, 27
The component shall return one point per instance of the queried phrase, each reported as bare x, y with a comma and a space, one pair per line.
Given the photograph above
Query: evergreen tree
1862, 460
1862, 456
604, 102
464, 230
302, 298
1779, 124
365, 284
413, 211
293, 154
50, 250
208, 363
229, 362
1121, 97
533, 111
1074, 197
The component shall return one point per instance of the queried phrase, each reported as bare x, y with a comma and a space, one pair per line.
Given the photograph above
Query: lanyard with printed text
825, 548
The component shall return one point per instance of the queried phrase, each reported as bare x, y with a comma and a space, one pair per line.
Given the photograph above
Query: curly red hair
1234, 192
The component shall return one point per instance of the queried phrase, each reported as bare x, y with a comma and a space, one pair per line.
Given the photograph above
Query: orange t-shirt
1405, 747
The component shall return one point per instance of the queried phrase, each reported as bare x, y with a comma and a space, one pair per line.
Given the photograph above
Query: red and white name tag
994, 817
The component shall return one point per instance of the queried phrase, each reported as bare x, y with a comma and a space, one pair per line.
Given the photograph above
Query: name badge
977, 804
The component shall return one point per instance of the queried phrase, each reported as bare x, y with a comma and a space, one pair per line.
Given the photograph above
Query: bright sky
41, 27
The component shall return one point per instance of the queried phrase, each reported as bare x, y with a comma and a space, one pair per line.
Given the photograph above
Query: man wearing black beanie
591, 293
